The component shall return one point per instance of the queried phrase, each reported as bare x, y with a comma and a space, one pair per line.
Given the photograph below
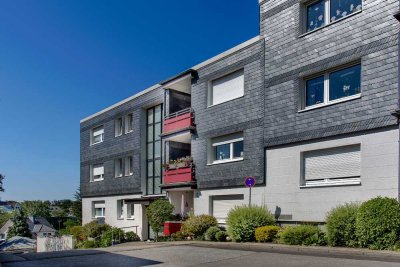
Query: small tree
20, 226
158, 212
36, 208
77, 205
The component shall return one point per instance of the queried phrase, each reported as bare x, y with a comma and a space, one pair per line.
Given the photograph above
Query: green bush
131, 237
210, 233
157, 213
89, 244
302, 235
378, 223
95, 229
341, 225
196, 226
178, 236
220, 236
242, 222
267, 233
78, 232
115, 235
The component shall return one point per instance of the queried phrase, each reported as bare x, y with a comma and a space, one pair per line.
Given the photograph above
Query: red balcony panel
171, 227
178, 122
181, 175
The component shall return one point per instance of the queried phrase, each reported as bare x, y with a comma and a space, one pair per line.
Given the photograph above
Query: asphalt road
187, 255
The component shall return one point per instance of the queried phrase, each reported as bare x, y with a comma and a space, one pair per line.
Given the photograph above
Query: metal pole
249, 196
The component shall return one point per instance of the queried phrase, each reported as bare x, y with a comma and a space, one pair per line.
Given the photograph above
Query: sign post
249, 183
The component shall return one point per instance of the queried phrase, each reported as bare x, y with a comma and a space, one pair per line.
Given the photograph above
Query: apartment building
309, 108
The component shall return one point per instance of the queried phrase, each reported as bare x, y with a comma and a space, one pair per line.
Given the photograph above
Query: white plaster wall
379, 177
175, 198
111, 214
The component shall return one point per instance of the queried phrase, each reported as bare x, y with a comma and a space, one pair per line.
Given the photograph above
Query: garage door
221, 205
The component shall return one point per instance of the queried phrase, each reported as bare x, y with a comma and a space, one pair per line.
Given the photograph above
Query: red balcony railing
179, 120
176, 176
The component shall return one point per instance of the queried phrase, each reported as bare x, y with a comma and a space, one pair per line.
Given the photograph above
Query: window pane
315, 91
150, 133
315, 15
222, 152
150, 151
157, 115
157, 183
149, 116
157, 167
150, 186
150, 168
342, 8
238, 149
228, 87
345, 82
157, 131
130, 165
157, 149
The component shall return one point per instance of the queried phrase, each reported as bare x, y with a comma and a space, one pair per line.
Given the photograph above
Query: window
154, 128
227, 88
323, 12
332, 166
129, 123
120, 209
118, 127
334, 86
118, 168
129, 166
97, 172
97, 135
227, 148
99, 209
130, 210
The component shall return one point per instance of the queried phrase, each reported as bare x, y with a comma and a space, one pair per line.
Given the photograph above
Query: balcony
179, 172
178, 121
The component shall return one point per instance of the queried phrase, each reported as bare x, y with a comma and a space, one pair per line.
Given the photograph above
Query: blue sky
61, 61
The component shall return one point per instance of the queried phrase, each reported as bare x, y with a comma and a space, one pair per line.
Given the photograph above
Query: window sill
214, 105
341, 100
225, 161
331, 23
127, 175
98, 217
341, 182
120, 219
93, 144
131, 219
118, 135
93, 181
119, 176
129, 132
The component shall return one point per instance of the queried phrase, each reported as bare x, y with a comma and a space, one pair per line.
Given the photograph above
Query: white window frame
92, 176
329, 181
328, 102
128, 123
210, 88
327, 15
118, 126
92, 136
120, 209
231, 158
130, 209
103, 209
120, 163
128, 166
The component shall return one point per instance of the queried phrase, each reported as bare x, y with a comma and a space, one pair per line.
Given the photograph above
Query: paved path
198, 254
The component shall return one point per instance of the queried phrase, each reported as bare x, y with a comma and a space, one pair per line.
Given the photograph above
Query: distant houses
9, 206
38, 226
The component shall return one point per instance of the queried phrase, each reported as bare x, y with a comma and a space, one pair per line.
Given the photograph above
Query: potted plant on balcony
179, 163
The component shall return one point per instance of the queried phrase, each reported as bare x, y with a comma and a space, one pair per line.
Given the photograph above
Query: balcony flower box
178, 164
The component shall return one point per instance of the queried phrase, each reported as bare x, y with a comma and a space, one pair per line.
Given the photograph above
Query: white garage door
221, 205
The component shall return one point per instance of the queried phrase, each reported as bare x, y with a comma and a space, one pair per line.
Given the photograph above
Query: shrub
267, 233
243, 221
341, 225
196, 226
178, 236
78, 233
158, 212
378, 223
89, 244
95, 229
302, 235
115, 235
220, 236
131, 237
210, 233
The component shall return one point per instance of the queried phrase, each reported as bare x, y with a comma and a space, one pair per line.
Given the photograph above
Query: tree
158, 212
5, 216
2, 177
20, 226
77, 205
36, 208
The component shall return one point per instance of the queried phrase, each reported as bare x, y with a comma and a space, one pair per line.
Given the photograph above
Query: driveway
191, 254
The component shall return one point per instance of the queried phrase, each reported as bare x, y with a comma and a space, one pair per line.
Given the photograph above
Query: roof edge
121, 102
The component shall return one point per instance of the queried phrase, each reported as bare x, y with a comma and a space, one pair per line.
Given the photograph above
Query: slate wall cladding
370, 36
244, 114
116, 147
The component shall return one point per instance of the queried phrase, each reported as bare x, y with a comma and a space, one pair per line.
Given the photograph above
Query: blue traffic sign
250, 182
